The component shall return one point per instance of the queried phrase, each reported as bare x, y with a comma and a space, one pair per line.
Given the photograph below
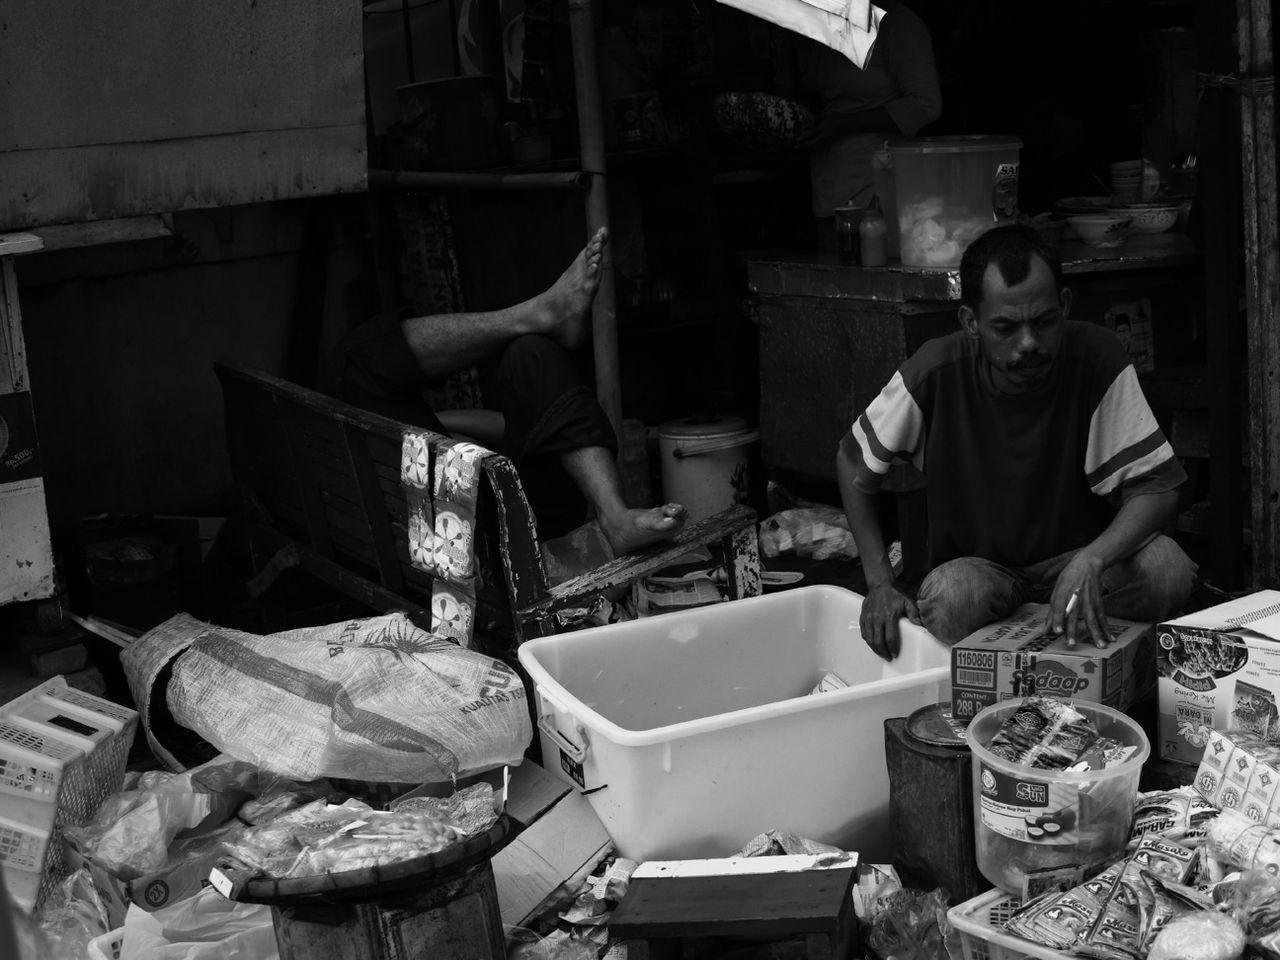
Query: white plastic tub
692, 732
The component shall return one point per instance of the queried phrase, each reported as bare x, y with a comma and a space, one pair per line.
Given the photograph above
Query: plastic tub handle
570, 749
715, 444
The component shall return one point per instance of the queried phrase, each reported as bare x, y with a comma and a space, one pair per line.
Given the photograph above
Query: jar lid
974, 143
936, 726
702, 427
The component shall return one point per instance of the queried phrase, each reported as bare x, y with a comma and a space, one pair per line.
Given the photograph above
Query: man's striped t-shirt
1017, 478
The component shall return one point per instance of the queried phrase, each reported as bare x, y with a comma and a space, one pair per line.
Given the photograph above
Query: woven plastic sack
375, 699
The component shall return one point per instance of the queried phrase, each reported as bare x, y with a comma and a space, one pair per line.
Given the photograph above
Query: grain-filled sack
375, 699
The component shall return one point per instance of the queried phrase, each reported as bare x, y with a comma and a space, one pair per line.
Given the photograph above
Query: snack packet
1043, 732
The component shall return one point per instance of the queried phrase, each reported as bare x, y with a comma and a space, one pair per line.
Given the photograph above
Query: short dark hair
1010, 248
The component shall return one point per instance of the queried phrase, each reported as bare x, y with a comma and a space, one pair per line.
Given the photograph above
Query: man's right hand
883, 607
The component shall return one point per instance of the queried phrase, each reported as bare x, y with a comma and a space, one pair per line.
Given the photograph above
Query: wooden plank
1262, 277
375, 513
769, 905
162, 105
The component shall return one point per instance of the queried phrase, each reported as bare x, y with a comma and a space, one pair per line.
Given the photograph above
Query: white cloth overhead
849, 26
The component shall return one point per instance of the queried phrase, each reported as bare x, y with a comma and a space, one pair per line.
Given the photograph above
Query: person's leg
565, 447
372, 369
1151, 585
442, 344
959, 596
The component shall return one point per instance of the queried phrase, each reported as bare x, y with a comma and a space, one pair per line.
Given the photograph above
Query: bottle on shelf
873, 235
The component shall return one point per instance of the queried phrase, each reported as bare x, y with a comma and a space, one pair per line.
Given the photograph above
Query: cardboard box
1012, 658
1219, 669
562, 842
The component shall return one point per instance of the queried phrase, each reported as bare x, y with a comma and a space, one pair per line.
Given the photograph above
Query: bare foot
632, 529
565, 306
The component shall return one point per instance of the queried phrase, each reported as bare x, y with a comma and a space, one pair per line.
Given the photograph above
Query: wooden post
26, 550
604, 319
1218, 201
1262, 277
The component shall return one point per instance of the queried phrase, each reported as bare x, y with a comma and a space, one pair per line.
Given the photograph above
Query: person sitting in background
1047, 477
552, 428
894, 94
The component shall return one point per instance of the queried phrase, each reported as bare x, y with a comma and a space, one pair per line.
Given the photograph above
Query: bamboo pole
1262, 278
604, 320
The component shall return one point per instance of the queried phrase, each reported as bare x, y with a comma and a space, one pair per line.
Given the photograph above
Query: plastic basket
980, 923
107, 946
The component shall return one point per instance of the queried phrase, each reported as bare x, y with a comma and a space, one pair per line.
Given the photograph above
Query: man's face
1019, 328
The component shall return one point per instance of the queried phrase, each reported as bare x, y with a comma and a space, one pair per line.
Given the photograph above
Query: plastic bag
375, 699
133, 830
815, 531
74, 915
206, 926
913, 925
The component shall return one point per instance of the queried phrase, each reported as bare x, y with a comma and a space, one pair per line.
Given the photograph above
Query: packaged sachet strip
1102, 753
1160, 903
1179, 815
1043, 732
1244, 843
1115, 933
1057, 919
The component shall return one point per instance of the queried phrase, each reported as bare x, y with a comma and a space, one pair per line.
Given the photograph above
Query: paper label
221, 882
1029, 810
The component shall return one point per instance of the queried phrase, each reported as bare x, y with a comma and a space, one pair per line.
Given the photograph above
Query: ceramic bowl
1098, 228
1147, 217
1080, 206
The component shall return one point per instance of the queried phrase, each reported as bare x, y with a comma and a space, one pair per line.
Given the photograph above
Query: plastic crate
63, 749
980, 923
107, 946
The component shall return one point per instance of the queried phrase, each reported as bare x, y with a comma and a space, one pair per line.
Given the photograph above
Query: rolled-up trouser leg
961, 595
549, 409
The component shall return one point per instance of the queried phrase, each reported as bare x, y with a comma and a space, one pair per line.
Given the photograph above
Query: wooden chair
320, 481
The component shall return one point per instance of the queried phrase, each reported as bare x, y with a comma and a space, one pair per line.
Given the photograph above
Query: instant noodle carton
1014, 658
1219, 669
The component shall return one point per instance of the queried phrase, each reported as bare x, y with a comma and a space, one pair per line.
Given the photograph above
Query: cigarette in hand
1071, 603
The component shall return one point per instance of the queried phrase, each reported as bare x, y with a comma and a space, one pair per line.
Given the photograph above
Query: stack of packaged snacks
1241, 770
1117, 914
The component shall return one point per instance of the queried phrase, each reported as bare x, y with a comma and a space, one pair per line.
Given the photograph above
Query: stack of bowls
1126, 181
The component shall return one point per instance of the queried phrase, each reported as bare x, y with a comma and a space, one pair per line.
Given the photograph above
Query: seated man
1047, 476
553, 429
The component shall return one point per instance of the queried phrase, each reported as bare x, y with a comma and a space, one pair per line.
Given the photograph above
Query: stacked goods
1219, 670
62, 752
1015, 658
1054, 783
1194, 883
1241, 771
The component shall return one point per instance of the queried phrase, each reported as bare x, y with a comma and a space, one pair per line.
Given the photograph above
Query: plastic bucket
704, 463
950, 190
1090, 813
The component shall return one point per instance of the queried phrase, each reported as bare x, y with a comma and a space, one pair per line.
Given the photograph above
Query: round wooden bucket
444, 906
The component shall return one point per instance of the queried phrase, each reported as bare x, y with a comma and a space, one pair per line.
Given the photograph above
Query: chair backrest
326, 476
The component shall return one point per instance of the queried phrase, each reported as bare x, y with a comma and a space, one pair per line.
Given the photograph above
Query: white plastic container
1090, 813
705, 464
692, 732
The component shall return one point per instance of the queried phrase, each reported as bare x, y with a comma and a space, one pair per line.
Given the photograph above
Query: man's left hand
1084, 617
